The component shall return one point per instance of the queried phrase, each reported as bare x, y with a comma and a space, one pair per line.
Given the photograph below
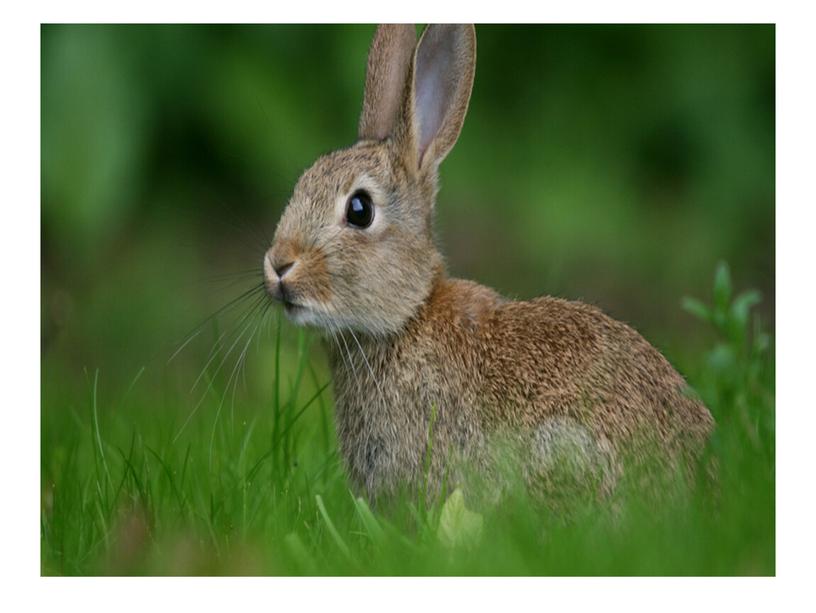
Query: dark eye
360, 211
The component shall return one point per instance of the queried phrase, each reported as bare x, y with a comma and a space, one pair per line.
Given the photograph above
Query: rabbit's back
556, 358
547, 357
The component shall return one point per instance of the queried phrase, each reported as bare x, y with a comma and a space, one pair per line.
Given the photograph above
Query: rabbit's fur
430, 371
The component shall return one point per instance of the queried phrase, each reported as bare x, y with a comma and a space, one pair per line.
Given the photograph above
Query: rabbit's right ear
440, 84
389, 63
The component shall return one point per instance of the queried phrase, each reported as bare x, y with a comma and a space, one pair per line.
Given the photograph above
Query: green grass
243, 476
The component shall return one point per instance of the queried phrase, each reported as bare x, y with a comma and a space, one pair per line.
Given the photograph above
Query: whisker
228, 280
371, 372
183, 345
351, 360
259, 287
192, 413
256, 270
214, 352
253, 310
368, 434
250, 302
232, 379
243, 227
332, 329
257, 334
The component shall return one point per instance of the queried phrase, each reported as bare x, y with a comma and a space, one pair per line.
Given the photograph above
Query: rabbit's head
354, 247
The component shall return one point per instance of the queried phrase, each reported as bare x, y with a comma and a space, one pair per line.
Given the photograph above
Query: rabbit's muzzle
295, 277
277, 277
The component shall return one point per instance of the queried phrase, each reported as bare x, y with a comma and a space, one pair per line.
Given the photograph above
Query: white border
422, 11
20, 273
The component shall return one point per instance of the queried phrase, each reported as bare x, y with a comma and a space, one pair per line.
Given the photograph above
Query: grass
243, 476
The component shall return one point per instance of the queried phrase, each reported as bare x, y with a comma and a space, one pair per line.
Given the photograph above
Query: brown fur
407, 343
388, 64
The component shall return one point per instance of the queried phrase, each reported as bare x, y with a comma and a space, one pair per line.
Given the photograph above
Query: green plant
260, 489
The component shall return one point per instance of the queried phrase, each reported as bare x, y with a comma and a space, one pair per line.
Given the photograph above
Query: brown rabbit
416, 355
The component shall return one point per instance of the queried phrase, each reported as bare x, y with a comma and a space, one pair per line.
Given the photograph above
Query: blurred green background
611, 164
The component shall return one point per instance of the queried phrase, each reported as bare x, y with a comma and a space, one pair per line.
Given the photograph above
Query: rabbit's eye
360, 211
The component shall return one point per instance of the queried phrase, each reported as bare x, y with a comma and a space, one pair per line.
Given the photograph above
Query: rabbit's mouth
289, 299
296, 309
292, 307
300, 314
299, 309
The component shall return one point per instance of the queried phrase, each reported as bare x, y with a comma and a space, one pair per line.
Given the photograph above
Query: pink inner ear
434, 83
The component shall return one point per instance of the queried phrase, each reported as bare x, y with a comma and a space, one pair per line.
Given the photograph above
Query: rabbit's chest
383, 435
399, 429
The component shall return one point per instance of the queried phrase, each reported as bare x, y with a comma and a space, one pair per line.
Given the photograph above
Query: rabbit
429, 371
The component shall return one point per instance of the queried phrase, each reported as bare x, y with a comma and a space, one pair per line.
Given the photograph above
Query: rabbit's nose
282, 269
279, 262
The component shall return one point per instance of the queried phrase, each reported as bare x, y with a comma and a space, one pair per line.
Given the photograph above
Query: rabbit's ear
443, 69
389, 62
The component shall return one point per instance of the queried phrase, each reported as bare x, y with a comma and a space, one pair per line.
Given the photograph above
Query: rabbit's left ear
442, 79
389, 64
